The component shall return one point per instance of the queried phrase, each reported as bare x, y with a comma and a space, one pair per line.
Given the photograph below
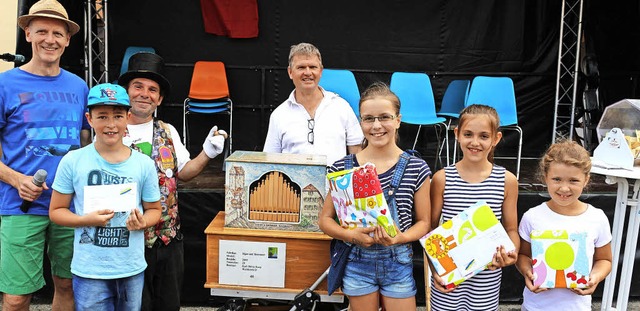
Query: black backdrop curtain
449, 40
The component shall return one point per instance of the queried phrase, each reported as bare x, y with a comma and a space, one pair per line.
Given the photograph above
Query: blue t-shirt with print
109, 252
40, 121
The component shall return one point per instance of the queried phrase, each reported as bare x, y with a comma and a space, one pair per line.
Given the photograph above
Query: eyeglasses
383, 118
311, 123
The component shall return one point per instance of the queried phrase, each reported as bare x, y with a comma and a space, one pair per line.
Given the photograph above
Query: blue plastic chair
130, 51
343, 83
418, 106
499, 93
453, 102
454, 99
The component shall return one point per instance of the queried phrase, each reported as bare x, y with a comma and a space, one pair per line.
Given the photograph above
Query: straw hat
146, 65
49, 9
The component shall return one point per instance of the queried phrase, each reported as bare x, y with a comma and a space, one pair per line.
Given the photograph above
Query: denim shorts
107, 295
379, 268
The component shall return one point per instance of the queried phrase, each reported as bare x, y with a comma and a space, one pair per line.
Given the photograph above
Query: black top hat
146, 65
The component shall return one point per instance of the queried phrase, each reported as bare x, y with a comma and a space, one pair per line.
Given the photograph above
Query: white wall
8, 29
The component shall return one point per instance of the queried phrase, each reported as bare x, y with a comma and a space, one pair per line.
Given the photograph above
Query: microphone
38, 178
13, 58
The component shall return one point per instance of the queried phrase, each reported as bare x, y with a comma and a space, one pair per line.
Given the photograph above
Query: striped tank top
482, 291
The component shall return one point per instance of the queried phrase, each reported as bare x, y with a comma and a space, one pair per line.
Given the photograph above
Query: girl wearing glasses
474, 178
380, 266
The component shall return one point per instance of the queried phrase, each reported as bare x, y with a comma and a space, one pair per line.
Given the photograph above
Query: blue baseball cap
107, 94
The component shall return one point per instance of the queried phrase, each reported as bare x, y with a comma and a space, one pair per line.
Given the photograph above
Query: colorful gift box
464, 245
358, 199
559, 259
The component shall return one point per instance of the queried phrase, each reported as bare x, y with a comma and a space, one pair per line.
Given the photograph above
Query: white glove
214, 143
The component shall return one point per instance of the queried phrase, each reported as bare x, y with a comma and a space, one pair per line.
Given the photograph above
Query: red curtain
232, 18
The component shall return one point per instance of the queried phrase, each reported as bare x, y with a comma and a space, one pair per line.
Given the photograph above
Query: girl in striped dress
475, 178
379, 265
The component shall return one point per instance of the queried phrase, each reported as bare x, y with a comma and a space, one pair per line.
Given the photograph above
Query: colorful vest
164, 156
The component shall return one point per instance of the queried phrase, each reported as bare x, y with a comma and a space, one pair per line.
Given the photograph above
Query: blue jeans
379, 268
108, 295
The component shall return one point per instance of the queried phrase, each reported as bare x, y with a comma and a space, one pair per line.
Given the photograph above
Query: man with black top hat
42, 110
147, 87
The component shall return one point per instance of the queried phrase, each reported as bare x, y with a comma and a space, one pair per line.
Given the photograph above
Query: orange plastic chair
208, 94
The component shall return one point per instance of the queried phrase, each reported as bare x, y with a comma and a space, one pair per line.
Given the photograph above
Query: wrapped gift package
464, 245
559, 259
358, 199
274, 191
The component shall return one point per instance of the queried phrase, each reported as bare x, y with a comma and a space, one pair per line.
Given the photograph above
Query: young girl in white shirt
565, 170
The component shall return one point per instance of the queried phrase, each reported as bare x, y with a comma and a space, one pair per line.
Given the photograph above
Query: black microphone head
39, 177
20, 59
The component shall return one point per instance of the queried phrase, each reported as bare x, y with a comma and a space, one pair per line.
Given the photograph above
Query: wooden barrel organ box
267, 243
274, 191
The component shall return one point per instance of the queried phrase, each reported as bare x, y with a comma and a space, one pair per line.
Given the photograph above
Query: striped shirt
413, 178
482, 291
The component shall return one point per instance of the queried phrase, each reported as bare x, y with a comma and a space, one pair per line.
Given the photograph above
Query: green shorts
22, 242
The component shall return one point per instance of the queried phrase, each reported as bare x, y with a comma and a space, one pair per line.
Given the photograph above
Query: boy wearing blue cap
116, 196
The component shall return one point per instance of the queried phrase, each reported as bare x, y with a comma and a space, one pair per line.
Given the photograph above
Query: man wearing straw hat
41, 119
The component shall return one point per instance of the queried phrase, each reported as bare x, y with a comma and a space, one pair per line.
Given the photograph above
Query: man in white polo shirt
312, 120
